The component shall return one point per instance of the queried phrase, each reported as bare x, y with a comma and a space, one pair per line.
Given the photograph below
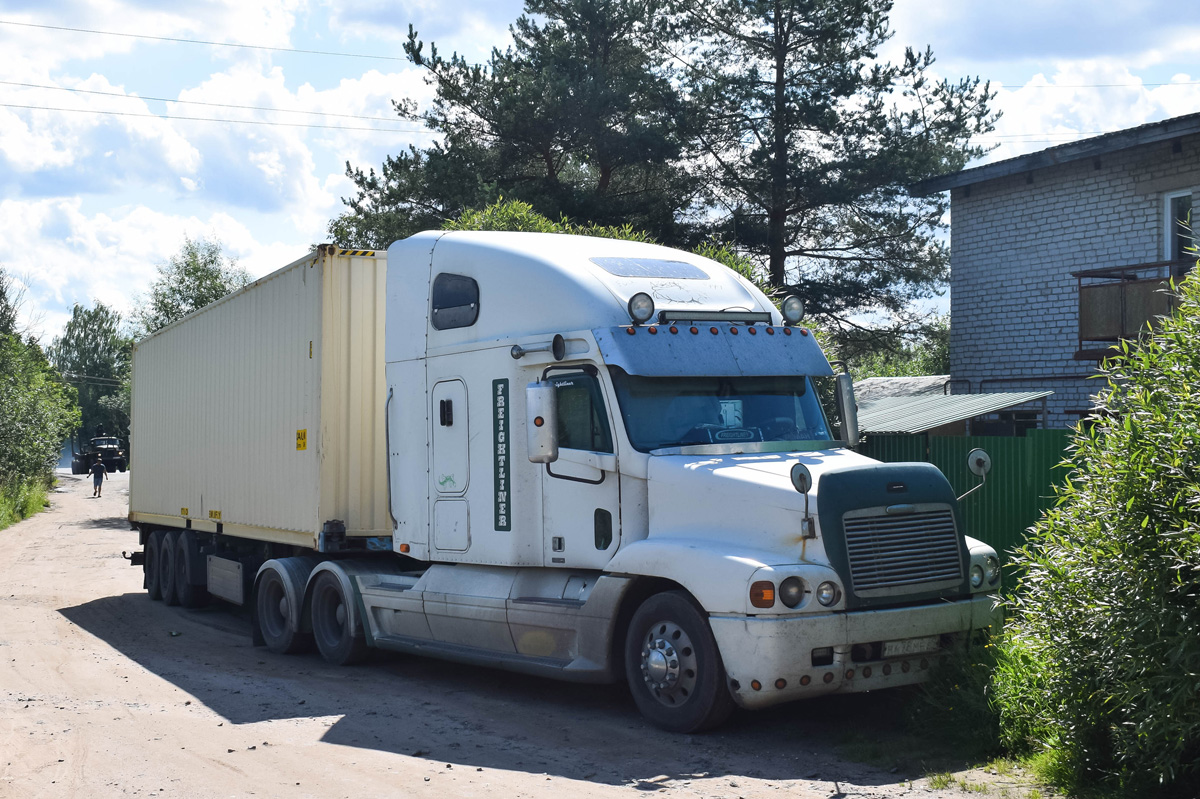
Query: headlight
976, 576
993, 569
828, 594
791, 591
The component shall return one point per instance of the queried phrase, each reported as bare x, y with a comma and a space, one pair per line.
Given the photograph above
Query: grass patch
20, 499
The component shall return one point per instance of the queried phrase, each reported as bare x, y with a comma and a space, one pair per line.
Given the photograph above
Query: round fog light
641, 307
791, 591
827, 594
976, 576
792, 309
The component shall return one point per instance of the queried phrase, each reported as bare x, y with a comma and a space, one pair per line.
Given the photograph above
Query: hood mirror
980, 463
803, 482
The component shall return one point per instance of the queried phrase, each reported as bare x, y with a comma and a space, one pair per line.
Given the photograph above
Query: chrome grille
887, 552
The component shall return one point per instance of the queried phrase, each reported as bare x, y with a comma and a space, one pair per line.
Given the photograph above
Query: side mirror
848, 409
980, 463
541, 422
801, 478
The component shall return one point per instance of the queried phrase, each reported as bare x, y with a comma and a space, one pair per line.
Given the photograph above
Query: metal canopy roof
918, 414
1094, 147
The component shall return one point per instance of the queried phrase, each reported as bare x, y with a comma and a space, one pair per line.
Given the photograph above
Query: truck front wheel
331, 624
673, 666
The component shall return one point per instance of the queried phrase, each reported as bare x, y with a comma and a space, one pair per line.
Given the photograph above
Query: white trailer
581, 458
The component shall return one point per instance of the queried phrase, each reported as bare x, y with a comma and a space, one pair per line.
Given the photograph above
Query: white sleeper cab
580, 458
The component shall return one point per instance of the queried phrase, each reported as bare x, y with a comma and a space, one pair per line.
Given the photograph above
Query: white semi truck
578, 458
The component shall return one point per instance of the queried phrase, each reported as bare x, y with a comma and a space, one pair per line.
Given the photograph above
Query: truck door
581, 500
451, 468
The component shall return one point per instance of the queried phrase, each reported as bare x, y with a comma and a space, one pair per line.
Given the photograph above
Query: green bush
20, 499
1098, 670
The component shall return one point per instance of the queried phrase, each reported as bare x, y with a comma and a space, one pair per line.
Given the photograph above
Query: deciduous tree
199, 274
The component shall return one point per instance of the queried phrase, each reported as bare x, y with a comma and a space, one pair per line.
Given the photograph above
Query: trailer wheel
166, 566
673, 666
186, 551
150, 565
338, 642
272, 614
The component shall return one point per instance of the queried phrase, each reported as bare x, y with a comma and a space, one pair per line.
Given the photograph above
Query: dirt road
105, 693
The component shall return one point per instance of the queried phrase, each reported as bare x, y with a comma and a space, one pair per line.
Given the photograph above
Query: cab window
582, 421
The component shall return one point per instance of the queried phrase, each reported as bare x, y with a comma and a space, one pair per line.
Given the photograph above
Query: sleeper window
455, 302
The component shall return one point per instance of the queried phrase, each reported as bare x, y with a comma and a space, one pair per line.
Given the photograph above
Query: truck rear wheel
273, 612
166, 566
187, 550
331, 623
150, 565
673, 666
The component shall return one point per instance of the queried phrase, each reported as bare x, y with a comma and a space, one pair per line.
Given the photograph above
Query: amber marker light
804, 331
762, 594
805, 680
752, 331
787, 331
695, 330
712, 330
733, 330
653, 330
673, 329
781, 683
538, 421
756, 685
630, 331
404, 548
770, 331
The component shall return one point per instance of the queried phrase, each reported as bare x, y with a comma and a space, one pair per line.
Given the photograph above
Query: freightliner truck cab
610, 460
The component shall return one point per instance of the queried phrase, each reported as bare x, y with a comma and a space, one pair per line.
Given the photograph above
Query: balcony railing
1117, 303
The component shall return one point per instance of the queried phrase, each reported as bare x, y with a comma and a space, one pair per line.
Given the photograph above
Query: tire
272, 612
337, 642
151, 565
673, 666
166, 566
122, 467
186, 551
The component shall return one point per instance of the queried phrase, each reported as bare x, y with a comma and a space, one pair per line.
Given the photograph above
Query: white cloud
81, 258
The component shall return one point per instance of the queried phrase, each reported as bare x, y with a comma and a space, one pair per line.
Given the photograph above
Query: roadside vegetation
39, 412
1091, 685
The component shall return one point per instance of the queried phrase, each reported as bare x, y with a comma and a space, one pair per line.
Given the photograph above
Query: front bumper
777, 651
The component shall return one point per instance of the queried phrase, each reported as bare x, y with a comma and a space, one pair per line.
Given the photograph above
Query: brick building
1057, 255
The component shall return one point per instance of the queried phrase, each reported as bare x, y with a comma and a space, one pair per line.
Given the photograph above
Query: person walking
98, 474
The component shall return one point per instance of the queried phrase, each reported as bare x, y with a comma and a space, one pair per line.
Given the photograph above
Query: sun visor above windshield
783, 351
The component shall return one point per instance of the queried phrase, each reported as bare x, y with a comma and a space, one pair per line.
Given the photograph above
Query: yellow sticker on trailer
301, 439
183, 511
215, 515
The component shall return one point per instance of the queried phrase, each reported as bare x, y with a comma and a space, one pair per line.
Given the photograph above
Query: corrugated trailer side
261, 415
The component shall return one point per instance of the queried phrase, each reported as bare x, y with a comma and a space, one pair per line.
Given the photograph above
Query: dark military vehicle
108, 448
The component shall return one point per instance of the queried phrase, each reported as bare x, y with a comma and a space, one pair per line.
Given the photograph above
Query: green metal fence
1019, 487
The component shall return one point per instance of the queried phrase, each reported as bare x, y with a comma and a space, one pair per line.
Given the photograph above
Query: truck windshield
662, 412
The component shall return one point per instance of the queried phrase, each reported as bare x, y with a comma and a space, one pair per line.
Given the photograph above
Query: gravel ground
105, 693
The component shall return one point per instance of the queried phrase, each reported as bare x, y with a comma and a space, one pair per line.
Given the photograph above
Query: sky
128, 125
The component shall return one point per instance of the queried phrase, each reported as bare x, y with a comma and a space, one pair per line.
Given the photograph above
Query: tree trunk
777, 213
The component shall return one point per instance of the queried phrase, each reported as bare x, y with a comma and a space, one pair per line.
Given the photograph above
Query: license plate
909, 646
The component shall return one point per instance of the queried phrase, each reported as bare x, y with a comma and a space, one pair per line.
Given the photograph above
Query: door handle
446, 412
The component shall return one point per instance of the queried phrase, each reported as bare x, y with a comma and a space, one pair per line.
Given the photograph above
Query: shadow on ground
468, 716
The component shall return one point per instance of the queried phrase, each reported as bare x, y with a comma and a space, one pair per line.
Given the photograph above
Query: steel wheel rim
273, 621
325, 612
668, 663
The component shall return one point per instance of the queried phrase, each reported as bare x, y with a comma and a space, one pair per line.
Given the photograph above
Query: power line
209, 119
202, 41
189, 102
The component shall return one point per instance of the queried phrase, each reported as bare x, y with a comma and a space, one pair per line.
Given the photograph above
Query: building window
1177, 235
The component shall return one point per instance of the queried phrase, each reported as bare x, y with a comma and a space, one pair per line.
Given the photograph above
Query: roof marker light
673, 329
787, 331
695, 330
733, 330
641, 308
770, 331
630, 330
712, 330
653, 330
753, 331
804, 331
